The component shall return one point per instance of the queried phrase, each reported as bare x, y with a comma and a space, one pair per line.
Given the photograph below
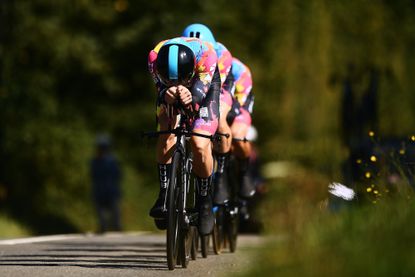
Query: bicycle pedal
234, 211
193, 219
186, 222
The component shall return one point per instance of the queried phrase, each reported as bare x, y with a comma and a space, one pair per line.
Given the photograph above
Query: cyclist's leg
222, 149
242, 151
164, 150
202, 168
206, 123
165, 143
239, 128
225, 106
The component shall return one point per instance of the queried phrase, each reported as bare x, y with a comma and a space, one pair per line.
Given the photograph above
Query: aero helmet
175, 64
199, 31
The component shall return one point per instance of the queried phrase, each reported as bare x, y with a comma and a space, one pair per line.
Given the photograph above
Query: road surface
140, 254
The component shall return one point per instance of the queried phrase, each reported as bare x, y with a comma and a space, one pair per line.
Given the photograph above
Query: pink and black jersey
242, 81
224, 66
206, 62
224, 61
204, 85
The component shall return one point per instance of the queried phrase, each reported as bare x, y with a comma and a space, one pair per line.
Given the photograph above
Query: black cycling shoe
158, 211
161, 224
206, 217
247, 189
243, 211
220, 189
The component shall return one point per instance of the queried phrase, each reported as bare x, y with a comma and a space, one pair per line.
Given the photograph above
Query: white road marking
67, 237
39, 239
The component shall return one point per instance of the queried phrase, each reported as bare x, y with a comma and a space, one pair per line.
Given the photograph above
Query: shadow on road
144, 255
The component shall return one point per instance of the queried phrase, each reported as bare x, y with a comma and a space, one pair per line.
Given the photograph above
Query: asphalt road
113, 255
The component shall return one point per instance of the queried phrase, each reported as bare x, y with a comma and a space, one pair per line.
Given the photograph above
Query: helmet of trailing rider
200, 31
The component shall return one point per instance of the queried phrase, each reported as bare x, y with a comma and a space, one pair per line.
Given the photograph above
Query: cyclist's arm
249, 102
205, 68
224, 61
229, 84
243, 81
209, 108
152, 58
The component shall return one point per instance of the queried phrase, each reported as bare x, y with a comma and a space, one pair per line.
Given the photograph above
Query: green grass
310, 240
11, 229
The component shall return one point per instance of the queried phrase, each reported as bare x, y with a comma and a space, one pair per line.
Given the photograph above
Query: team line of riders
199, 74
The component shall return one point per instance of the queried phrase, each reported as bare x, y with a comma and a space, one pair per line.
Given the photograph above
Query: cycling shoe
206, 217
220, 189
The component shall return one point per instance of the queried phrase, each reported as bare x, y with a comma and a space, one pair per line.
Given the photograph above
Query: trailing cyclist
223, 147
240, 119
236, 106
187, 81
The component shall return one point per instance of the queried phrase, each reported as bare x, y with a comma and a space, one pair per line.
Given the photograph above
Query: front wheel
173, 199
204, 239
186, 241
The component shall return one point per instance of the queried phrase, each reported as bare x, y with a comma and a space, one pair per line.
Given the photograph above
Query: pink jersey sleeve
152, 57
224, 61
206, 64
243, 84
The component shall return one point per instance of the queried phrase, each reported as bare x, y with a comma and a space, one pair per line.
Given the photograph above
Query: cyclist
222, 148
240, 119
186, 76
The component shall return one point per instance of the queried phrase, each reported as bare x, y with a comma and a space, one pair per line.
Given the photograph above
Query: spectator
106, 176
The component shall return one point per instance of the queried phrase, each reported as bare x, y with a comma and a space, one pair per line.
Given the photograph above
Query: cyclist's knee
239, 130
241, 149
223, 126
200, 146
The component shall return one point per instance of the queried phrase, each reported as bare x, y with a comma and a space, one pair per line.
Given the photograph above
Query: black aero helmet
175, 64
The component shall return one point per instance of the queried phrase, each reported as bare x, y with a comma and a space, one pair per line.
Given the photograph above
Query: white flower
341, 191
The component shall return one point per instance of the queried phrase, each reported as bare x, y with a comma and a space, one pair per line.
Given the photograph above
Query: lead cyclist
185, 71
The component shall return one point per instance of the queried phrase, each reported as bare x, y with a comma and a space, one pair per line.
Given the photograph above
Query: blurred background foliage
72, 69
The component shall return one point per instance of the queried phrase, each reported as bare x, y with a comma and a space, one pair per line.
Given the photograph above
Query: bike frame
227, 215
185, 219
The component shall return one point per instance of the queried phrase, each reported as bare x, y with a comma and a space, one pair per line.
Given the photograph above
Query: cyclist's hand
171, 95
185, 95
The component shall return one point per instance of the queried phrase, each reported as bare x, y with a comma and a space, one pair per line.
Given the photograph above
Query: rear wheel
232, 231
218, 234
232, 212
204, 239
173, 199
195, 244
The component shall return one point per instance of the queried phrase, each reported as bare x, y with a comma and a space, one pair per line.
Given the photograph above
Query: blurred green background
73, 69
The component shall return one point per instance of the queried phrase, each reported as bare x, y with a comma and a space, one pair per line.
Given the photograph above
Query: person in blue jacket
106, 177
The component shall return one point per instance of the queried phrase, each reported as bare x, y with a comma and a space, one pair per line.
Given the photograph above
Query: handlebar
181, 131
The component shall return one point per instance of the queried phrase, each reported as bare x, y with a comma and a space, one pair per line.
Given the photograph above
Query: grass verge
11, 229
311, 240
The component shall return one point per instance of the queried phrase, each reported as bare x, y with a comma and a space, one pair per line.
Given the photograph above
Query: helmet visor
169, 82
